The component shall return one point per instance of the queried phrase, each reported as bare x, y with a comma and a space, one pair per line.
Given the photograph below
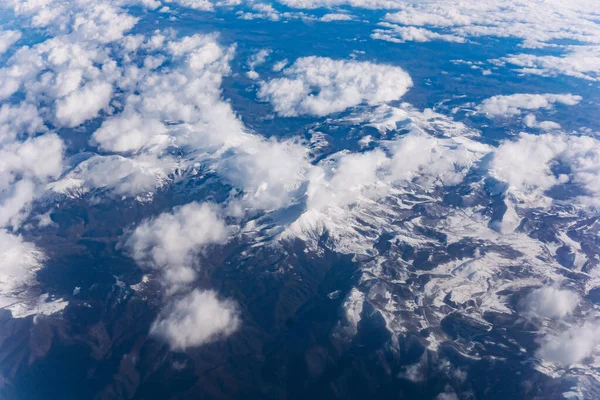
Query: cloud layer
198, 318
320, 86
551, 302
571, 346
514, 104
171, 241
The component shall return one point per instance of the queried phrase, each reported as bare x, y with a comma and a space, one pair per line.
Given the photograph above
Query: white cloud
345, 178
514, 104
199, 317
180, 107
533, 22
205, 5
121, 176
41, 13
101, 22
21, 171
18, 265
526, 165
269, 171
536, 24
579, 62
83, 104
171, 242
551, 302
69, 82
531, 121
335, 17
447, 396
70, 78
338, 85
206, 128
255, 60
130, 132
268, 12
22, 159
571, 346
279, 65
400, 34
16, 202
353, 307
253, 74
20, 119
84, 20
202, 5
187, 94
70, 75
258, 58
432, 160
7, 39
341, 181
369, 4
429, 15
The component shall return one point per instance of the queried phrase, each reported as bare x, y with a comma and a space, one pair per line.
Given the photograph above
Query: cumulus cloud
514, 104
430, 15
268, 12
202, 5
527, 165
418, 158
69, 81
400, 34
21, 172
101, 22
163, 108
71, 75
167, 95
369, 4
536, 24
22, 159
447, 396
571, 346
551, 302
177, 106
255, 60
579, 62
531, 121
18, 265
197, 318
122, 176
335, 17
340, 181
270, 172
432, 160
83, 104
321, 86
279, 65
171, 242
130, 132
7, 39
17, 120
